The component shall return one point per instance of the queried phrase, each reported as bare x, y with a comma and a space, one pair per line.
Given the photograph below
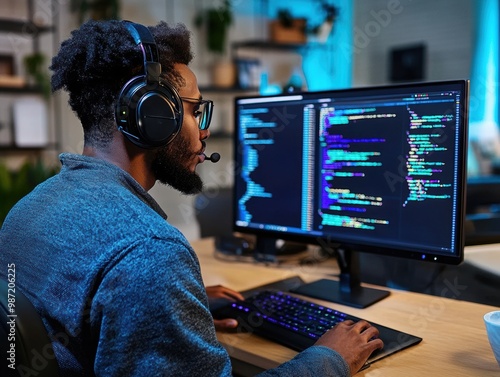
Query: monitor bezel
341, 242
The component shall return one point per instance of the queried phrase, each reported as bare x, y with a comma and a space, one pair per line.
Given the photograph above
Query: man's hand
220, 292
353, 341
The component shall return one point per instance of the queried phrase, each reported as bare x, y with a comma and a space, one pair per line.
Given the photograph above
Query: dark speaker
407, 63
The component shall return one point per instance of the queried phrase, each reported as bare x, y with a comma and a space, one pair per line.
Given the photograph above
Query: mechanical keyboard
298, 323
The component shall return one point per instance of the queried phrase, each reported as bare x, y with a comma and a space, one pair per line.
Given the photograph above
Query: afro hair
99, 58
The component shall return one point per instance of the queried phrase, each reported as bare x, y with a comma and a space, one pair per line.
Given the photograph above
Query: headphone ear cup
149, 114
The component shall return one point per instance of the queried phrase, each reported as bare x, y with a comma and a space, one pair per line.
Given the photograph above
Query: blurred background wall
372, 42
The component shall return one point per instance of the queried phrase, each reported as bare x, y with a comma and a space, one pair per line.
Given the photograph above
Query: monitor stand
348, 290
265, 249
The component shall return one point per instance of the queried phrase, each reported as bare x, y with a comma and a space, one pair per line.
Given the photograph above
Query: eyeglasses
203, 112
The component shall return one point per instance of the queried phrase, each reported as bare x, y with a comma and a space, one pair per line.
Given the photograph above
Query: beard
168, 167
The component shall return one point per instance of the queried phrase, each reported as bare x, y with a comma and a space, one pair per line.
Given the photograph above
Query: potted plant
215, 23
34, 65
287, 29
322, 31
96, 9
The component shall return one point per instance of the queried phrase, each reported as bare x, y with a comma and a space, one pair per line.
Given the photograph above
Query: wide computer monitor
378, 169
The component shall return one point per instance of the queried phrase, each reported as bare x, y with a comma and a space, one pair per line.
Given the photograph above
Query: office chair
33, 354
214, 212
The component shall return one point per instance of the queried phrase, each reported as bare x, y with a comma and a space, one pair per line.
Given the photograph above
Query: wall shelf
13, 148
20, 89
268, 45
236, 90
14, 87
20, 26
228, 91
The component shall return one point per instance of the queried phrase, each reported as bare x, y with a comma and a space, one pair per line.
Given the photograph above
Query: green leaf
15, 184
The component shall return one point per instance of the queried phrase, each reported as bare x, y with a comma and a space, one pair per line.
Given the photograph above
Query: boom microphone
214, 157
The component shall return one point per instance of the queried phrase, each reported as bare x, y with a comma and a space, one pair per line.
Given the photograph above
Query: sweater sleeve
151, 317
312, 362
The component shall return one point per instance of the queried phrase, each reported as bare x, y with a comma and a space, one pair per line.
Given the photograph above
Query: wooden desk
454, 337
486, 257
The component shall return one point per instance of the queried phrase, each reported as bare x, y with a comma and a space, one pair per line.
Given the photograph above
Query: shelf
21, 26
236, 90
269, 45
20, 89
12, 86
12, 148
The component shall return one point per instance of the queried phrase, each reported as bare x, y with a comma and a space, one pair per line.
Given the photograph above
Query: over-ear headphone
149, 110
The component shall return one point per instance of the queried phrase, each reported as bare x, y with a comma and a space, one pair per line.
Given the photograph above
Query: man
118, 287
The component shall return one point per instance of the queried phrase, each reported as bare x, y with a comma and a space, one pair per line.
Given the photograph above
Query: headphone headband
143, 38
